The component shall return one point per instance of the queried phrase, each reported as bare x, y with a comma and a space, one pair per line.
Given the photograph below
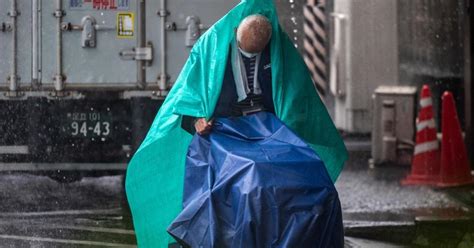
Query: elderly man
247, 85
235, 179
263, 174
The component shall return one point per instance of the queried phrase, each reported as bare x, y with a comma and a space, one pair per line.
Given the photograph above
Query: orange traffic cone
425, 163
455, 169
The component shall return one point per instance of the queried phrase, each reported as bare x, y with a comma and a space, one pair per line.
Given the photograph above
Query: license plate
88, 125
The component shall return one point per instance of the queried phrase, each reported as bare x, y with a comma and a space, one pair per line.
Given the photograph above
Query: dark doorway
469, 66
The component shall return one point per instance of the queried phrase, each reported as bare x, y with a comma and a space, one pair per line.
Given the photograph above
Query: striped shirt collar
248, 55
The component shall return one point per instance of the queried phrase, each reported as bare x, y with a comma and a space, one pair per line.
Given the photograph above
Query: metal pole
163, 77
13, 70
40, 52
58, 78
141, 42
35, 40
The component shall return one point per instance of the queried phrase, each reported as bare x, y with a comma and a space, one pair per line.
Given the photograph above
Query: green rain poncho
154, 181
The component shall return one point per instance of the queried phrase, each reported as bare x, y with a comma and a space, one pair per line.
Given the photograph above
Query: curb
399, 232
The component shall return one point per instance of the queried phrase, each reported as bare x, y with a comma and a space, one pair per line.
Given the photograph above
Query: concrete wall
369, 59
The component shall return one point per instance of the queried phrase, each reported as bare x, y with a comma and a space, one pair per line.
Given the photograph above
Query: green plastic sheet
154, 180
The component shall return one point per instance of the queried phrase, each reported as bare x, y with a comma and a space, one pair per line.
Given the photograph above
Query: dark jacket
228, 95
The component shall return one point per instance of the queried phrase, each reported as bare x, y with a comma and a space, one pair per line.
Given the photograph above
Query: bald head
254, 33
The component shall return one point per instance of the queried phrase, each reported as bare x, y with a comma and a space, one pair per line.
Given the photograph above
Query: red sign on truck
99, 4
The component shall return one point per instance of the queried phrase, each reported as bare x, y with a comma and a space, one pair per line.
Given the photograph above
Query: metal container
114, 44
81, 80
393, 124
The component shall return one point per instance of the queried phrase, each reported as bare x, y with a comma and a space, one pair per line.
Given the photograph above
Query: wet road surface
376, 206
36, 211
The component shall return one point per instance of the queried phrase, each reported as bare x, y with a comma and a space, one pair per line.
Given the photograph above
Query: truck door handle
193, 29
89, 28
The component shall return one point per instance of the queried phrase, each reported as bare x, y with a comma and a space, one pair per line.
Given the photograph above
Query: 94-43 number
86, 129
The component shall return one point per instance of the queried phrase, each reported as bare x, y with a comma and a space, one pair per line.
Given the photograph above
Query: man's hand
203, 126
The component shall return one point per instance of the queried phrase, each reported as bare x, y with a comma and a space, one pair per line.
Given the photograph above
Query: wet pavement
37, 211
376, 207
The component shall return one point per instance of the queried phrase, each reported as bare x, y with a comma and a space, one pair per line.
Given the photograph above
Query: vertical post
35, 47
13, 78
58, 78
315, 42
468, 74
141, 42
163, 13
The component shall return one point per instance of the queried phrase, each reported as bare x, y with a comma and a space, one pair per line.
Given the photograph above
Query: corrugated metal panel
23, 51
62, 55
100, 63
206, 11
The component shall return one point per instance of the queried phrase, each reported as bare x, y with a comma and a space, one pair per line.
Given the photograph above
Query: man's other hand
203, 126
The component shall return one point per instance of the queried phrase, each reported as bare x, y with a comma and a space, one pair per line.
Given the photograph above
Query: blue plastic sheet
253, 183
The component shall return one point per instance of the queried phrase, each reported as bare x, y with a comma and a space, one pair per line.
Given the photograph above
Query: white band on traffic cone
426, 147
426, 102
425, 124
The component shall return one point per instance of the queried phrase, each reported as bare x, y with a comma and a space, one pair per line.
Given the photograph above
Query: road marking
14, 150
92, 229
65, 212
42, 225
65, 241
61, 166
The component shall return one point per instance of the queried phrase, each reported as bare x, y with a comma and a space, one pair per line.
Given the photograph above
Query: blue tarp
253, 183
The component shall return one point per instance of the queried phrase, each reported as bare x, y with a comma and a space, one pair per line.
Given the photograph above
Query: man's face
254, 33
